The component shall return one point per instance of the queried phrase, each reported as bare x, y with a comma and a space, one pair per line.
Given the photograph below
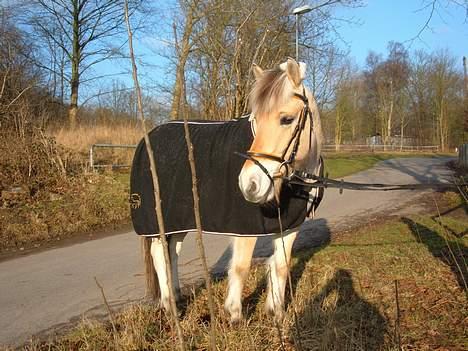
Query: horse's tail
152, 284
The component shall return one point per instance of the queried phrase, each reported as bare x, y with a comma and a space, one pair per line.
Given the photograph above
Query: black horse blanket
223, 208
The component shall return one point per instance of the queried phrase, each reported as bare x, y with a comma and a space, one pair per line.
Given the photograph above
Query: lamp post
299, 11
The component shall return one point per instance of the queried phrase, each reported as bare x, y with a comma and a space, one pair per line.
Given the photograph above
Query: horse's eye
286, 120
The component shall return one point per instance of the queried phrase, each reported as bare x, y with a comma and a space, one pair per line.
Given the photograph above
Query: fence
92, 164
463, 155
379, 148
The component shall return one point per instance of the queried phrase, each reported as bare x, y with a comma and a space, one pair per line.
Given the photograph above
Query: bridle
294, 141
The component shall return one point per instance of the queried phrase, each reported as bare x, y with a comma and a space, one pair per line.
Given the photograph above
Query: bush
34, 164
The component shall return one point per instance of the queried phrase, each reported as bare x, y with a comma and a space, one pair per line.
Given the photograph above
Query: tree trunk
75, 74
73, 110
178, 89
183, 51
443, 127
402, 127
390, 116
338, 128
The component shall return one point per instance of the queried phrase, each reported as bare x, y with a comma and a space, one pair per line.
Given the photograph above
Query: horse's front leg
242, 251
278, 267
157, 252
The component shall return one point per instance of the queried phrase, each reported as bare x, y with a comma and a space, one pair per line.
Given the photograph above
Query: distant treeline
417, 98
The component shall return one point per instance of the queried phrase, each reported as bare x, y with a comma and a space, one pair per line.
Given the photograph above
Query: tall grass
85, 135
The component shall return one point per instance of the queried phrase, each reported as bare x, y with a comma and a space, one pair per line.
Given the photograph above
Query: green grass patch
342, 164
344, 299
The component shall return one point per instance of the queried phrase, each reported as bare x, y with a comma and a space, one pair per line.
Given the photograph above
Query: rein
294, 140
311, 180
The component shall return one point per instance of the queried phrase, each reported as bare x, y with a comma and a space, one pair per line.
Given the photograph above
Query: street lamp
299, 11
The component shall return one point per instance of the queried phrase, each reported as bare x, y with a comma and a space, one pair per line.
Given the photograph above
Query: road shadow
436, 218
337, 318
451, 252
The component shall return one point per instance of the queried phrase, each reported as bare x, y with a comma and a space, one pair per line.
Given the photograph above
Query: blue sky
400, 20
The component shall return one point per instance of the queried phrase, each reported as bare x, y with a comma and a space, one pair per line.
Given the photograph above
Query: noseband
294, 140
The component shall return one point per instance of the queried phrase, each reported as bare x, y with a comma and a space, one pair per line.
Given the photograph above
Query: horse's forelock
269, 92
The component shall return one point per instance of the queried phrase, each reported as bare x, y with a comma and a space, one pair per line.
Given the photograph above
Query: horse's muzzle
255, 185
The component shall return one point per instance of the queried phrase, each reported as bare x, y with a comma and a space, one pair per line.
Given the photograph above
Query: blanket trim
287, 231
252, 122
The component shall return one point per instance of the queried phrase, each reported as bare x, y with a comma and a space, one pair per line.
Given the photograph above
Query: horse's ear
257, 71
294, 72
302, 69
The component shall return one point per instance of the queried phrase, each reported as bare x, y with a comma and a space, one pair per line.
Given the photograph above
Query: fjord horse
287, 137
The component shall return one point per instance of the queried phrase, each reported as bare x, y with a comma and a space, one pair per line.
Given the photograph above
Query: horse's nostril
253, 187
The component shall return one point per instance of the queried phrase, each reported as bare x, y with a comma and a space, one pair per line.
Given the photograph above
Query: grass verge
345, 297
342, 164
89, 202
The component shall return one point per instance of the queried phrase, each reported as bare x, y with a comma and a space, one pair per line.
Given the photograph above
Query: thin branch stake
111, 315
291, 292
154, 176
275, 321
201, 248
397, 323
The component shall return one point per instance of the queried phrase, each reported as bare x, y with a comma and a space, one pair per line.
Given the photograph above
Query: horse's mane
269, 92
272, 90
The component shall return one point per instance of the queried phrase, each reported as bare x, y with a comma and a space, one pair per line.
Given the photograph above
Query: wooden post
91, 158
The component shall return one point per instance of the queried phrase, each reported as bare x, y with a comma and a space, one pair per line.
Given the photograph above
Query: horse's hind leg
242, 250
278, 273
175, 246
157, 252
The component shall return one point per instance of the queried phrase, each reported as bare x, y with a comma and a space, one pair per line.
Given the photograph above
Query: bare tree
82, 30
319, 48
21, 94
420, 97
348, 105
387, 81
446, 84
231, 36
183, 47
438, 7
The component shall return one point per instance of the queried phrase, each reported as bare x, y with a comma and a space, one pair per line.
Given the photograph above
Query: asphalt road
44, 292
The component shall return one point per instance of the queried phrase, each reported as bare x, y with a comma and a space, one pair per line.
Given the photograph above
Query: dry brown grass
81, 139
85, 203
344, 293
125, 132
46, 192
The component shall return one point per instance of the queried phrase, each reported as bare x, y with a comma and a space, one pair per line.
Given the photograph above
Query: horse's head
287, 131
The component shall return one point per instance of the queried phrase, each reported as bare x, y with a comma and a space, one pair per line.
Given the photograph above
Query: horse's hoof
277, 313
165, 304
269, 311
279, 316
235, 314
235, 321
